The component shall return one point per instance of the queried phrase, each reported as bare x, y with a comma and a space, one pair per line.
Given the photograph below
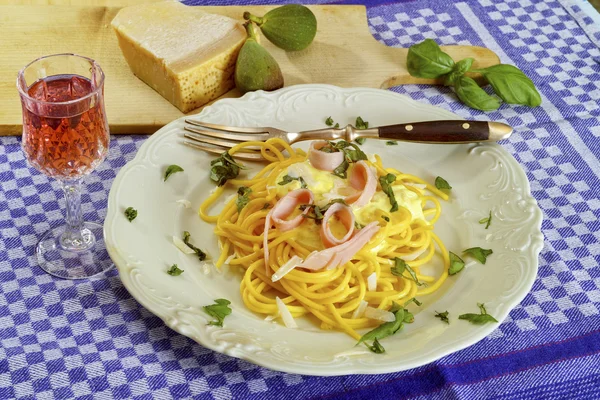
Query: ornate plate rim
121, 261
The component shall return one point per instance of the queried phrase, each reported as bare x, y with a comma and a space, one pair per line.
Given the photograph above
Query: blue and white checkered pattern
90, 339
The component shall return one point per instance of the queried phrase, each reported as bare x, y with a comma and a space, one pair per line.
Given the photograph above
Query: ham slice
321, 160
282, 210
338, 255
364, 179
346, 217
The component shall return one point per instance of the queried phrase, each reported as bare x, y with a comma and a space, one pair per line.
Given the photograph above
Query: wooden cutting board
344, 53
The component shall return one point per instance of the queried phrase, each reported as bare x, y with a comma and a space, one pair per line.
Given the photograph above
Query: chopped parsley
487, 221
441, 183
243, 197
443, 316
186, 239
130, 213
174, 270
219, 310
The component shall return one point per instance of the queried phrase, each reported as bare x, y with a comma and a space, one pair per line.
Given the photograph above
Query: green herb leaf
358, 226
317, 212
266, 206
342, 169
385, 218
469, 92
130, 213
336, 125
186, 239
400, 266
478, 319
478, 253
443, 316
360, 140
414, 300
391, 143
329, 121
360, 124
441, 183
386, 186
174, 270
459, 69
219, 310
427, 60
386, 329
224, 168
377, 348
487, 221
171, 169
456, 264
243, 197
511, 84
287, 179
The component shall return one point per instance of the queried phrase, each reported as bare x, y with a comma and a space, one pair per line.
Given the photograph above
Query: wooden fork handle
446, 131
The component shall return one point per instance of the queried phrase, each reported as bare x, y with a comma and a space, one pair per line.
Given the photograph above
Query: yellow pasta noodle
329, 296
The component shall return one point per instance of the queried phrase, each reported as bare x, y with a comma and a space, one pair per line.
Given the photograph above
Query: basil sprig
386, 329
427, 60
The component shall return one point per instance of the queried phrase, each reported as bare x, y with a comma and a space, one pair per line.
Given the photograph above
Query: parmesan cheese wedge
182, 52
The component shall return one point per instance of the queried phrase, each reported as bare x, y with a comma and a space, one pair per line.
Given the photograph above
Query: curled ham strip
283, 209
321, 160
364, 179
346, 217
339, 255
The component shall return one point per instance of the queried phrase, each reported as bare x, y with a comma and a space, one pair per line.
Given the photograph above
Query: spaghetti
334, 296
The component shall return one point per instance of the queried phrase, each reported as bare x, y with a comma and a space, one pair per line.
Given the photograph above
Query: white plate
483, 177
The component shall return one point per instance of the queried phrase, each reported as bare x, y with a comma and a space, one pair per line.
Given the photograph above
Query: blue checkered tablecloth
91, 340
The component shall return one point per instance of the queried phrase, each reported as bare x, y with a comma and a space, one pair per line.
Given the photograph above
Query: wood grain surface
344, 53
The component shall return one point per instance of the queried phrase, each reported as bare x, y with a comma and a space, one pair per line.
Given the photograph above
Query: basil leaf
386, 186
174, 270
329, 121
377, 348
478, 319
186, 239
511, 84
287, 179
441, 183
266, 206
414, 300
360, 124
469, 92
130, 213
478, 253
219, 310
458, 70
224, 168
341, 169
243, 197
427, 60
391, 143
358, 226
385, 218
443, 316
456, 264
337, 125
360, 140
400, 266
487, 221
386, 329
171, 169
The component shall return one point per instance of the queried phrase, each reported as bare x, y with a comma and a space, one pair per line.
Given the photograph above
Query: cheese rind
185, 54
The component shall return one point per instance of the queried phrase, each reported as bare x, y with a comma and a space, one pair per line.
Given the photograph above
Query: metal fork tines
221, 137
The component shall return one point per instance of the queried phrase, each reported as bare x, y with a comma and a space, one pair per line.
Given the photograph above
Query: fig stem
250, 30
257, 20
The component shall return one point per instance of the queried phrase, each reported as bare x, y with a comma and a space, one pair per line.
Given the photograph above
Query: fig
290, 27
255, 68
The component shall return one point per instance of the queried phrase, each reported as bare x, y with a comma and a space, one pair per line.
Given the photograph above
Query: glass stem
75, 237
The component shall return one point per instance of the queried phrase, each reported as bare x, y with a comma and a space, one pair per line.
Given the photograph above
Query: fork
221, 137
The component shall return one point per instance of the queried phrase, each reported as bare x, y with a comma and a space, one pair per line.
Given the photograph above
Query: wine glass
65, 136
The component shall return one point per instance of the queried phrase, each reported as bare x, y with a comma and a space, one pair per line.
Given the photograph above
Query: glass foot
55, 257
